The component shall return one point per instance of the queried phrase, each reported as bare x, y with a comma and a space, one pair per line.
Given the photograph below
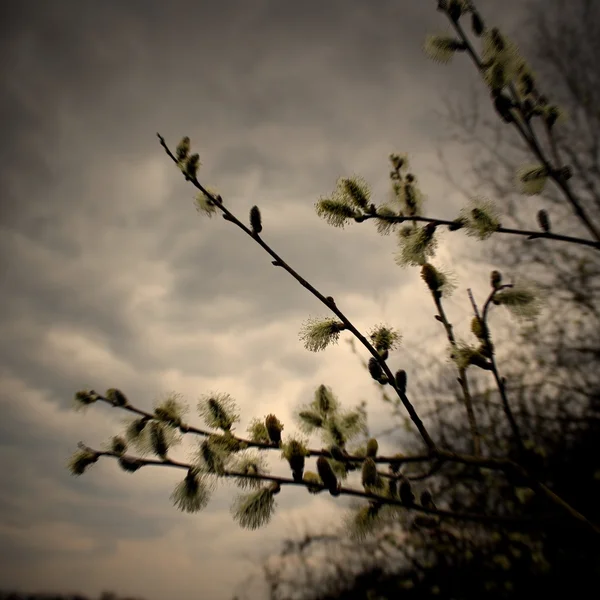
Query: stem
480, 518
530, 234
499, 464
185, 428
499, 381
462, 377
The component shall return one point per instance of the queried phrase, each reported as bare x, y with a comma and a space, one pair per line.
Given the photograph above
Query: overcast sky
110, 277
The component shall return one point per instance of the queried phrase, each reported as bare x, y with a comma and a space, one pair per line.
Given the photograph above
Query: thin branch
502, 464
462, 376
480, 518
453, 226
500, 382
350, 458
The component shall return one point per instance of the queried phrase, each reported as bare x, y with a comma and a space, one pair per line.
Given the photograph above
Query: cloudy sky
112, 279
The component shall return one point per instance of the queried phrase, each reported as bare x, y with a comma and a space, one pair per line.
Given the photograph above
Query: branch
349, 458
531, 140
502, 464
455, 225
500, 382
480, 518
462, 375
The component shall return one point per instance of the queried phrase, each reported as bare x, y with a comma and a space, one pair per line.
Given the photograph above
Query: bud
384, 339
312, 481
83, 398
118, 445
183, 149
212, 457
318, 334
396, 463
170, 410
401, 380
527, 83
297, 466
375, 369
335, 211
274, 428
191, 166
486, 349
478, 328
543, 220
455, 9
190, 495
136, 428
129, 465
254, 510
502, 103
431, 277
372, 447
442, 48
495, 279
497, 40
310, 420
295, 452
325, 400
477, 24
339, 434
551, 114
218, 410
255, 220
81, 460
522, 299
397, 161
430, 230
327, 475
116, 397
158, 440
406, 495
369, 476
357, 190
531, 179
478, 359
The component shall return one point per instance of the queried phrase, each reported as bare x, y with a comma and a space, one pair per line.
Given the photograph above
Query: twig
462, 376
452, 225
480, 518
500, 382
